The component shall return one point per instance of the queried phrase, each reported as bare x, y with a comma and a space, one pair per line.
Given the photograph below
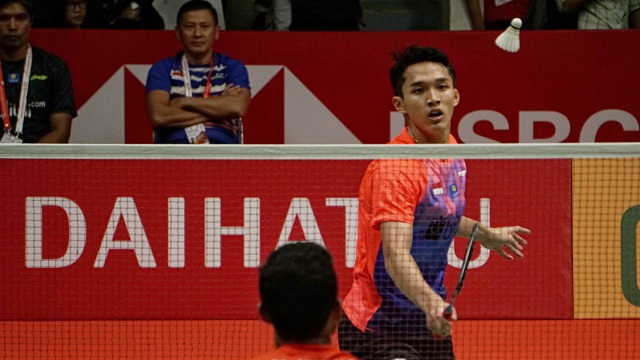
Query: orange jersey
429, 195
306, 352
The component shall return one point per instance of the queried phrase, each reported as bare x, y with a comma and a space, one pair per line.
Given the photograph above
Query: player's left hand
505, 240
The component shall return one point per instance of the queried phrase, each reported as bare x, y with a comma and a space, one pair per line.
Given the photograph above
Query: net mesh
154, 252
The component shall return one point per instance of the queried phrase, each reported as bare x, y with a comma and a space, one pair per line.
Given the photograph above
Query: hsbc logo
528, 120
306, 118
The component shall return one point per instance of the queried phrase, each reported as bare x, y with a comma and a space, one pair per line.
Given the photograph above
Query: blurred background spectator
270, 15
389, 15
74, 13
497, 14
60, 14
169, 8
603, 14
308, 15
535, 14
123, 14
373, 15
327, 15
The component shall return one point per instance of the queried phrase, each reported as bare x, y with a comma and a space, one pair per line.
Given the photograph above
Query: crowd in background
97, 14
347, 15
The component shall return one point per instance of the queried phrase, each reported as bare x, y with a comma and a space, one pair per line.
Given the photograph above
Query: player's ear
398, 103
456, 98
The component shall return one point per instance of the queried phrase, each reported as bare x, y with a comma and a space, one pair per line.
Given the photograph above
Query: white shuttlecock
509, 40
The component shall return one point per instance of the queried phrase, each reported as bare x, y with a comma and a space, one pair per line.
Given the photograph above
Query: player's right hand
436, 321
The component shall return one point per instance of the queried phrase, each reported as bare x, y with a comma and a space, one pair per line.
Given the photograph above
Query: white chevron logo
101, 120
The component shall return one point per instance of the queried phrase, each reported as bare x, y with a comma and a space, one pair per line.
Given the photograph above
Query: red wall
561, 77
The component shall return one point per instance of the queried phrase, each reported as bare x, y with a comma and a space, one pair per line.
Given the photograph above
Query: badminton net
154, 251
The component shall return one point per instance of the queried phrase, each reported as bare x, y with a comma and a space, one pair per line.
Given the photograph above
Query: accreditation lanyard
188, 91
22, 104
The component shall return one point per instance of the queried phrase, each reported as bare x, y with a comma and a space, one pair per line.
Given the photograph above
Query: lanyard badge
22, 103
9, 138
197, 134
188, 91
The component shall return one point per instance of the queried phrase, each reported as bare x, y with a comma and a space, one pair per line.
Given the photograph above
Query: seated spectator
603, 14
46, 112
123, 14
299, 293
197, 96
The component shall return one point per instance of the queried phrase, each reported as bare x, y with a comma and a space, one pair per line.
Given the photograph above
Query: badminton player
299, 294
409, 213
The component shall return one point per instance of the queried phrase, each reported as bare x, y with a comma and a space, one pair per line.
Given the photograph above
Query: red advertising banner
562, 86
183, 239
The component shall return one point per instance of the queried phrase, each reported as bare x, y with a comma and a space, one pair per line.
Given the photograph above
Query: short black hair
25, 3
193, 5
299, 289
414, 55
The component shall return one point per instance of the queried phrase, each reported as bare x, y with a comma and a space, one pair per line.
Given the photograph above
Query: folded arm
162, 113
232, 103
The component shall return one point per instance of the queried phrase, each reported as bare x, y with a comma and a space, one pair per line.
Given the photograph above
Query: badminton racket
448, 311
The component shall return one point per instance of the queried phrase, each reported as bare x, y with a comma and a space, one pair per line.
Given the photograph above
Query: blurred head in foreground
299, 289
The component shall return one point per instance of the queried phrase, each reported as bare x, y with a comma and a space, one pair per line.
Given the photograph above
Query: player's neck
319, 340
199, 59
14, 54
419, 138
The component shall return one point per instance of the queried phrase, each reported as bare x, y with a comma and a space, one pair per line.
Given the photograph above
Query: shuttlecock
509, 40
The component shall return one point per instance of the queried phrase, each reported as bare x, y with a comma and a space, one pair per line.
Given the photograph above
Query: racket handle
448, 312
